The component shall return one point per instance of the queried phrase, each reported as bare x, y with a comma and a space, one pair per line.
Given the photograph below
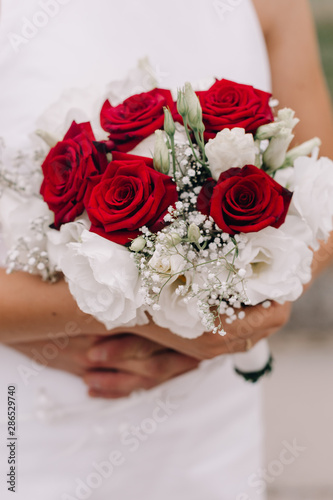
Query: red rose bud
244, 200
130, 194
136, 118
68, 170
228, 105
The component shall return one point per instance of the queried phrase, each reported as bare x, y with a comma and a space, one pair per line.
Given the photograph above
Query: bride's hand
241, 334
112, 367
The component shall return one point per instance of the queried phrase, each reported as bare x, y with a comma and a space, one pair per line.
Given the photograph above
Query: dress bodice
50, 45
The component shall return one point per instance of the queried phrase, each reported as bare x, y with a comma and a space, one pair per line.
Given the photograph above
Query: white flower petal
277, 261
230, 149
103, 279
313, 195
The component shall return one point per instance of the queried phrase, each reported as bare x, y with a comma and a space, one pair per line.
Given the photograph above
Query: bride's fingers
115, 384
159, 368
234, 345
258, 323
122, 347
129, 375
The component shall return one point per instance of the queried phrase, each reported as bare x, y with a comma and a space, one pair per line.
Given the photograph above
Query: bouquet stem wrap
254, 363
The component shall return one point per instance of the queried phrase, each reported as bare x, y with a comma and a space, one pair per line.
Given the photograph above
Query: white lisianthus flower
313, 199
286, 178
69, 233
104, 280
230, 149
176, 314
280, 136
277, 262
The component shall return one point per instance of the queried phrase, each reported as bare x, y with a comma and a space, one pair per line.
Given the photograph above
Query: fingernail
92, 382
97, 355
94, 387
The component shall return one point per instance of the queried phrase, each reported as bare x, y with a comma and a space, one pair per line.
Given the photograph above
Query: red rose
67, 170
244, 200
136, 118
129, 195
228, 105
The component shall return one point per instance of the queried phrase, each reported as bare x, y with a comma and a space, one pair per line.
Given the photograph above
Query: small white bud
242, 273
138, 244
173, 239
193, 233
169, 124
268, 131
48, 138
194, 108
182, 106
161, 153
276, 152
286, 116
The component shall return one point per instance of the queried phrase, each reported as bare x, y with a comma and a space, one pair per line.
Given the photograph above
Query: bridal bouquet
186, 208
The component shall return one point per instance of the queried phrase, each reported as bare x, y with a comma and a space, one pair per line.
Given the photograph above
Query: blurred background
298, 398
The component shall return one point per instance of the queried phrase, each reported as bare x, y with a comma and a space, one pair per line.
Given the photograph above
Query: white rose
277, 262
313, 195
104, 280
169, 264
230, 149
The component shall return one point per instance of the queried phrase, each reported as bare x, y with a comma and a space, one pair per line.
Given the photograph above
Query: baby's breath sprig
29, 253
196, 262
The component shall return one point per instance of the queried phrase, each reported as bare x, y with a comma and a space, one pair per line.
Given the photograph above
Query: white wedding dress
196, 437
